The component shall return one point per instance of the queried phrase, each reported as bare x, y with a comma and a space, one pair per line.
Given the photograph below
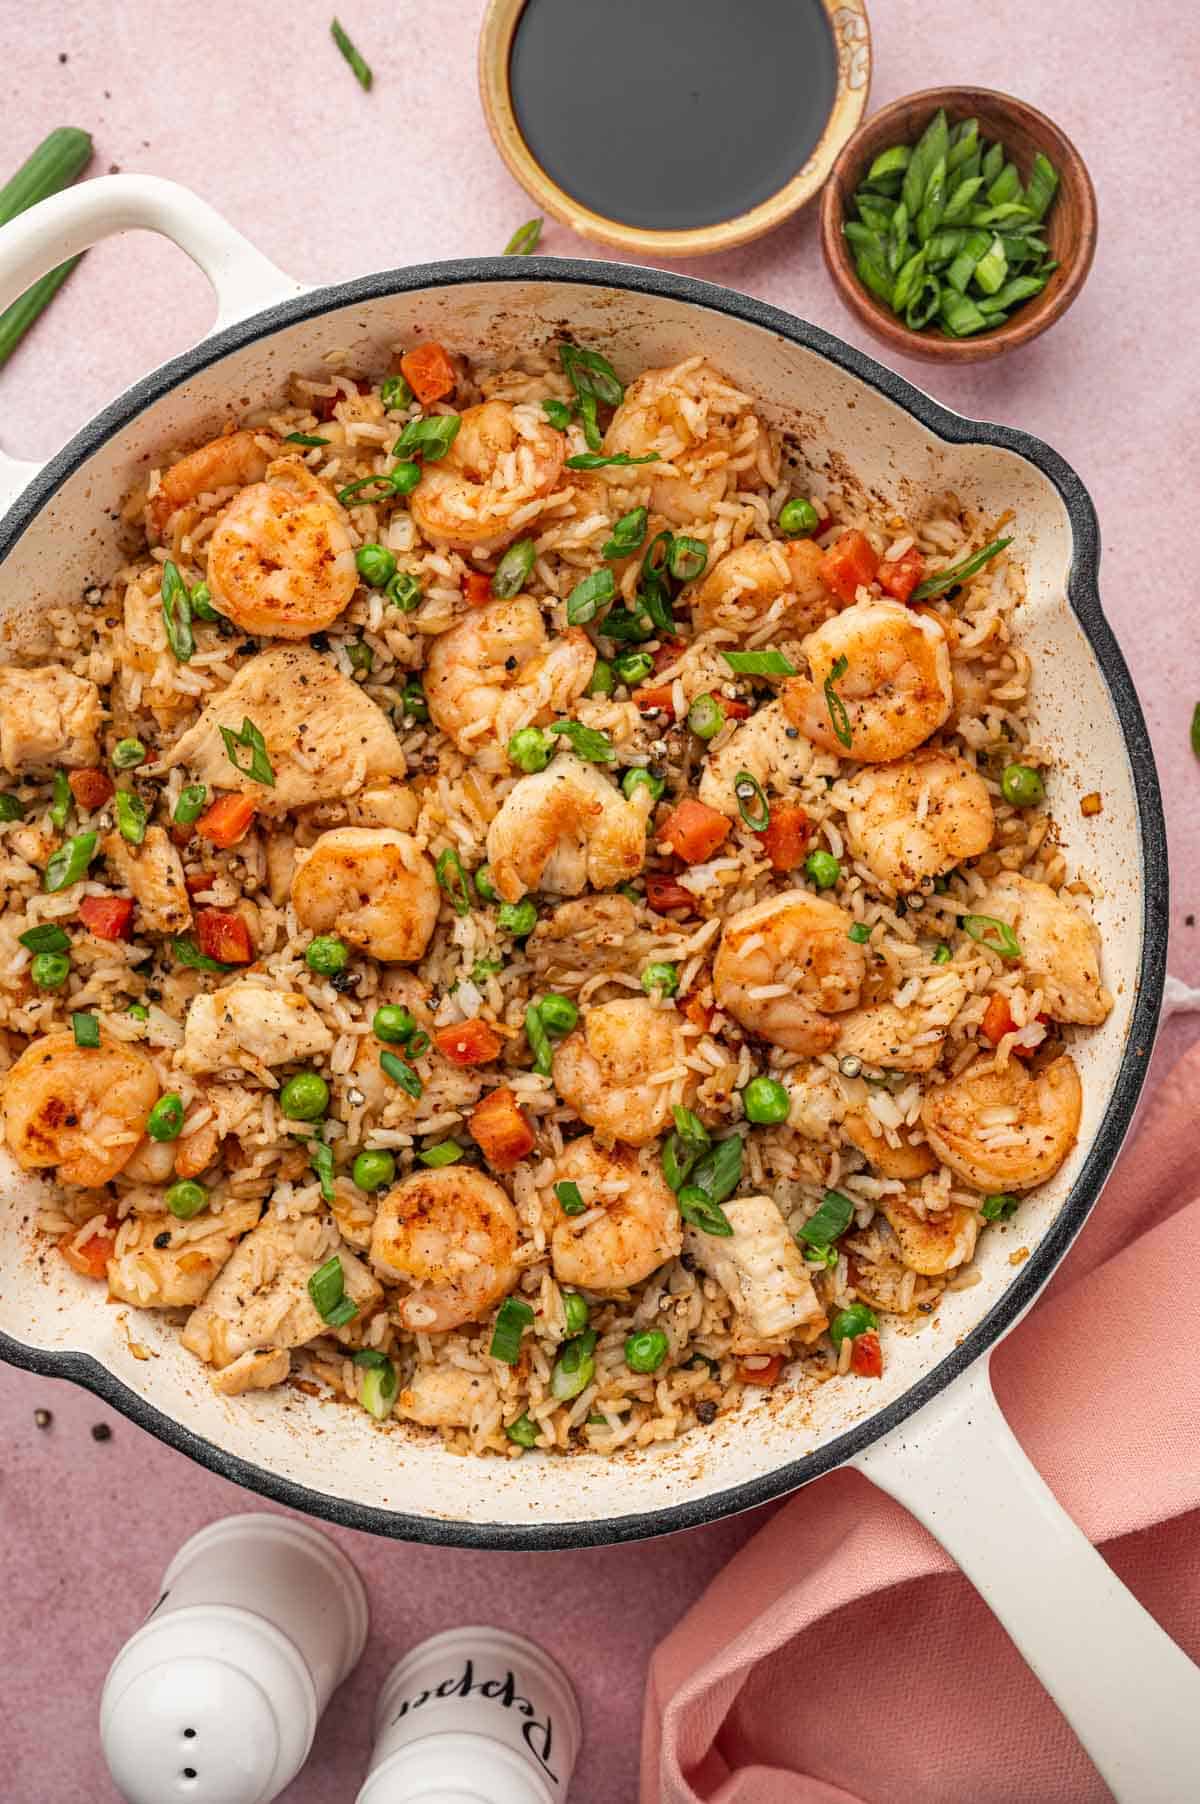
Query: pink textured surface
254, 109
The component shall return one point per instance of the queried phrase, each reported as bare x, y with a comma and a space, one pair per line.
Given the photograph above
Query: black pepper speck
101, 1431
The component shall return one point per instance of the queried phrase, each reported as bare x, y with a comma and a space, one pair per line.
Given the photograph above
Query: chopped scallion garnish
512, 1319
361, 69
260, 768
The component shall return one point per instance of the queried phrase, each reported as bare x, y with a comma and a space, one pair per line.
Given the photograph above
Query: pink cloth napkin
840, 1656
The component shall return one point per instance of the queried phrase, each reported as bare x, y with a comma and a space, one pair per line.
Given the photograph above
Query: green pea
404, 478
50, 970
645, 1352
523, 1431
638, 777
798, 518
12, 808
165, 1119
518, 918
373, 1170
860, 933
484, 884
1000, 1207
304, 1097
395, 394
662, 978
139, 1011
404, 592
559, 1014
575, 1310
327, 955
848, 1324
127, 753
1022, 785
823, 869
529, 749
376, 565
186, 1199
602, 680
633, 667
765, 1101
392, 1023
706, 717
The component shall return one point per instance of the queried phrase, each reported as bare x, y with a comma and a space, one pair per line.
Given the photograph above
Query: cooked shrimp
1060, 946
768, 746
373, 886
761, 1270
785, 966
918, 817
906, 1161
230, 462
895, 689
281, 560
622, 1072
906, 1036
1005, 1130
761, 581
564, 828
704, 431
80, 1109
932, 1244
639, 1226
451, 1235
498, 670
503, 461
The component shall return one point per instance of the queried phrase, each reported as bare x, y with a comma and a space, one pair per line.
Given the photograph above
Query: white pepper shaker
216, 1698
474, 1716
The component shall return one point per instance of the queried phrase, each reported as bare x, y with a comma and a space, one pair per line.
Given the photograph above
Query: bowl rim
1034, 318
850, 29
1082, 594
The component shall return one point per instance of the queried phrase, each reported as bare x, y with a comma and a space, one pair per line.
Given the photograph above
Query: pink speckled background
253, 108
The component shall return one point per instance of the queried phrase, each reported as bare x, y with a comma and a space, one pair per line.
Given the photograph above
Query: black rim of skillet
1083, 595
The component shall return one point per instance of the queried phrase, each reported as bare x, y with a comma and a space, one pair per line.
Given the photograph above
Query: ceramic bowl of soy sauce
679, 128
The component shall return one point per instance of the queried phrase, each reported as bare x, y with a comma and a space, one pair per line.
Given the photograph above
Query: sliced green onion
602, 680
12, 808
49, 970
260, 768
838, 717
483, 968
453, 879
524, 240
128, 753
646, 1351
139, 1011
60, 807
539, 1041
849, 1323
720, 1172
687, 559
759, 663
47, 938
829, 1222
860, 933
574, 1368
591, 374
512, 1319
599, 460
395, 393
132, 815
633, 667
589, 596
570, 1198
523, 1431
191, 804
1195, 732
320, 1157
445, 1152
512, 572
996, 935
304, 438
558, 414
706, 717
377, 1392
575, 1312
629, 623
58, 159
327, 1288
593, 438
999, 1207
585, 742
699, 1209
186, 1199
432, 435
362, 72
890, 162
360, 655
177, 613
627, 534
186, 952
1041, 186
942, 954
638, 777
69, 863
401, 1073
752, 803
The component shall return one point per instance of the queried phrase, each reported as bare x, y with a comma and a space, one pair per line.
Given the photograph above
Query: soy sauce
672, 114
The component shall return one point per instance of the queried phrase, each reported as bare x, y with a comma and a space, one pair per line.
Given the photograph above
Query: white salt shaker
216, 1698
474, 1716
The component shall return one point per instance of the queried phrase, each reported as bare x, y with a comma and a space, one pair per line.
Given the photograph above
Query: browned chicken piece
259, 1370
153, 875
48, 717
176, 1274
247, 1024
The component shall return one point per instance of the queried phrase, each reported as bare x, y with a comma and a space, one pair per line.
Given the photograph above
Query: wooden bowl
852, 44
1070, 228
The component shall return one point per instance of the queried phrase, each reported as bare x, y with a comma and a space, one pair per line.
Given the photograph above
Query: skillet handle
1130, 1694
38, 240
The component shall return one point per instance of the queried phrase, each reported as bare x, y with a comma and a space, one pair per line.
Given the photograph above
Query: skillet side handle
38, 240
1130, 1694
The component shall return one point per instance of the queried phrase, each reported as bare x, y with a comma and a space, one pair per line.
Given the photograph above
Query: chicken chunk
324, 737
153, 874
47, 717
259, 1370
177, 1275
261, 1301
761, 1270
244, 1024
443, 1397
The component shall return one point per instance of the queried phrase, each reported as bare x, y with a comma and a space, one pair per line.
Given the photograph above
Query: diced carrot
900, 576
787, 835
997, 1019
866, 1355
850, 560
108, 917
501, 1130
91, 788
478, 588
473, 1042
1091, 804
227, 820
693, 830
664, 894
698, 1013
181, 834
91, 1259
430, 373
760, 1374
659, 696
224, 936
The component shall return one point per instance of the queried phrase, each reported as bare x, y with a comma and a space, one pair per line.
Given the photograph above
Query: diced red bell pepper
900, 576
698, 1013
764, 1374
224, 936
866, 1355
477, 587
473, 1042
850, 561
997, 1019
660, 696
663, 895
108, 917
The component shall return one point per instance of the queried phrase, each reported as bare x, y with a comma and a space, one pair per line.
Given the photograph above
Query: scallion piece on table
512, 1319
54, 165
525, 239
759, 663
361, 69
